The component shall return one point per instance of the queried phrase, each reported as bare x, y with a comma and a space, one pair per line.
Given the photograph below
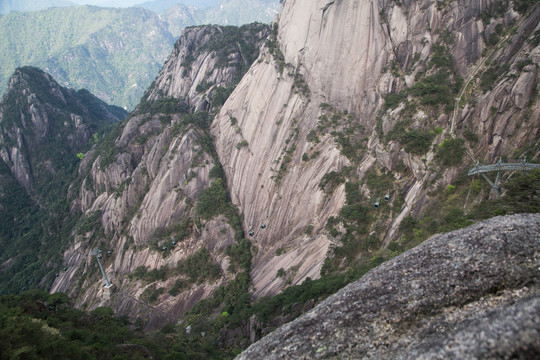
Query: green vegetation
88, 47
344, 128
450, 152
522, 6
34, 236
242, 144
417, 141
213, 200
167, 105
273, 48
452, 206
490, 76
199, 267
37, 325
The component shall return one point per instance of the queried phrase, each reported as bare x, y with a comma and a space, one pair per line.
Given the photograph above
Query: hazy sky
109, 3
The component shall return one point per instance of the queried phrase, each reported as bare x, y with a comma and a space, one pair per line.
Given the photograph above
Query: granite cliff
253, 162
155, 192
349, 91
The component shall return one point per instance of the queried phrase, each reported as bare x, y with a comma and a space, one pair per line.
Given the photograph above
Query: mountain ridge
44, 131
113, 52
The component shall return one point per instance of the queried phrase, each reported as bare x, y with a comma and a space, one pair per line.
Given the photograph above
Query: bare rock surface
472, 293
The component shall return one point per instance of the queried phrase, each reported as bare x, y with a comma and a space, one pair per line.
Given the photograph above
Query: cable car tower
498, 167
108, 289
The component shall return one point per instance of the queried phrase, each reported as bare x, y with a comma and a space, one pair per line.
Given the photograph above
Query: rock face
143, 182
339, 54
310, 137
34, 116
206, 60
470, 293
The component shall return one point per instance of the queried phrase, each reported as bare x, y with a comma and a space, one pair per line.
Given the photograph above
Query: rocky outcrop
205, 59
469, 293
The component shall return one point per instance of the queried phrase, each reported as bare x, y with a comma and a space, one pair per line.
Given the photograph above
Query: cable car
387, 197
263, 226
376, 203
251, 233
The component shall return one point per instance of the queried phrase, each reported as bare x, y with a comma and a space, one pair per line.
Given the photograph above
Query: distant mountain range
113, 52
7, 6
158, 6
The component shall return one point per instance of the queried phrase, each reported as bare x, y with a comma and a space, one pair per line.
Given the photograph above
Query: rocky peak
155, 179
37, 113
44, 130
206, 61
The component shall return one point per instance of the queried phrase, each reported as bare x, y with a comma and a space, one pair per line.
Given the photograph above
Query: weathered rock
342, 50
471, 293
156, 167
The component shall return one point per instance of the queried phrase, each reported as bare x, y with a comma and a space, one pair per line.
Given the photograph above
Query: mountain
356, 110
235, 12
266, 168
7, 6
114, 53
44, 131
159, 6
274, 171
227, 12
180, 17
153, 192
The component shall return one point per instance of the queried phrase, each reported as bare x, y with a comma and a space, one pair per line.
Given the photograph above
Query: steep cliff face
349, 86
349, 104
204, 63
154, 189
43, 129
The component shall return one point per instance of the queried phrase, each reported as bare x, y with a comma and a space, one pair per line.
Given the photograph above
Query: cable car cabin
263, 226
251, 233
173, 243
376, 204
387, 197
164, 248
